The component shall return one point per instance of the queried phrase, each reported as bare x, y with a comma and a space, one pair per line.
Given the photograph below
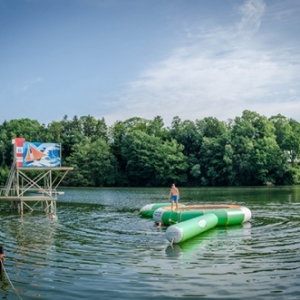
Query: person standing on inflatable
174, 196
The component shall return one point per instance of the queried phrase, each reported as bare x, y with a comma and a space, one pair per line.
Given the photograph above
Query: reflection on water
99, 248
213, 240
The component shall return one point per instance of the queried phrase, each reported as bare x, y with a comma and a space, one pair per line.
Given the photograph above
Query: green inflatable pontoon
227, 214
185, 230
148, 210
191, 220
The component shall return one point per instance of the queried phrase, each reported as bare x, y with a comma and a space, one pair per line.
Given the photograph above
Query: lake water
99, 248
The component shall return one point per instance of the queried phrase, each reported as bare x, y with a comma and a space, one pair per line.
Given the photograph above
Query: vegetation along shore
248, 150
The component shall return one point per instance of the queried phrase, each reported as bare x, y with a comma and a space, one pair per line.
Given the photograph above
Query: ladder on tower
10, 180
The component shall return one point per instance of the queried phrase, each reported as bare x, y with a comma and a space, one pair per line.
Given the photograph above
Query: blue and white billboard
41, 154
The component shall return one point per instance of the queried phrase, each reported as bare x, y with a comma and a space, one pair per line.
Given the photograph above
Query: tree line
248, 150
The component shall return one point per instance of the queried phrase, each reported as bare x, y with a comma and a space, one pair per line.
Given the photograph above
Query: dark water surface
99, 248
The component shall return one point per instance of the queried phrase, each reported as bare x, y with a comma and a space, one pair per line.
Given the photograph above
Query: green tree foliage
93, 128
151, 161
292, 142
71, 134
188, 134
256, 152
156, 128
4, 173
249, 150
92, 162
283, 130
211, 127
31, 130
4, 148
117, 134
216, 159
215, 154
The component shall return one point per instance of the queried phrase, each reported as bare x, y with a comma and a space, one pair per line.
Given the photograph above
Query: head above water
53, 216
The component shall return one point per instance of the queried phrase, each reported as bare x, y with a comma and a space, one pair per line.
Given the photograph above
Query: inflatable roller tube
169, 217
231, 216
172, 215
190, 228
149, 209
158, 214
247, 213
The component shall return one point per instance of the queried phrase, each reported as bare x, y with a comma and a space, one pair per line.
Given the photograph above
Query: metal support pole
18, 183
21, 207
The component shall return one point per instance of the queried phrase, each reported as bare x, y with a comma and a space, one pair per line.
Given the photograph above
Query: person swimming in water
53, 216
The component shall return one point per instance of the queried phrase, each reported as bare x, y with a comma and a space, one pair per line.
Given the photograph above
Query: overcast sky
119, 59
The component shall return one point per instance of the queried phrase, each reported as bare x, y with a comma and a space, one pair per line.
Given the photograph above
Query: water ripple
100, 246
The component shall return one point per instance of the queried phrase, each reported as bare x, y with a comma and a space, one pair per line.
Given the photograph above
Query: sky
118, 59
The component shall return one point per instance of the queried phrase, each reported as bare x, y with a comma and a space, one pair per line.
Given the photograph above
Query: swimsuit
174, 198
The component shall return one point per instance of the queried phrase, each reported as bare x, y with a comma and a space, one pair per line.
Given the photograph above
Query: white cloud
223, 72
252, 12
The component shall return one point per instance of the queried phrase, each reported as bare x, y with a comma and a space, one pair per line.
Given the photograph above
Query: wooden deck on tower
27, 187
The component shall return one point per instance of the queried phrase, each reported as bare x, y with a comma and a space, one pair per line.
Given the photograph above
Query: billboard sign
36, 154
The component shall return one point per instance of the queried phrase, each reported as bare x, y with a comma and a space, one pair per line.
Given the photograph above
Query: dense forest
248, 150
